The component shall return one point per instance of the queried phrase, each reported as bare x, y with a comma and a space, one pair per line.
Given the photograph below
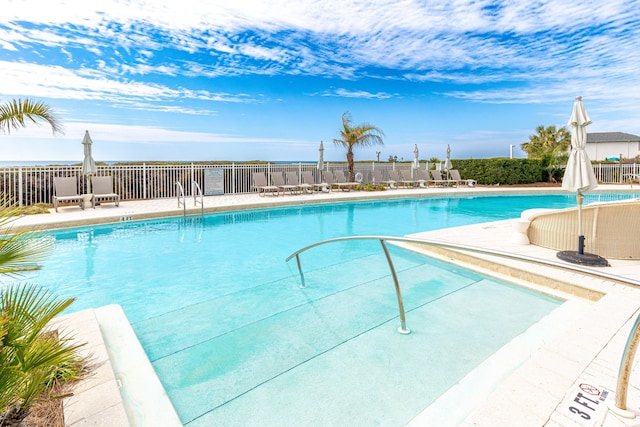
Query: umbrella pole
580, 199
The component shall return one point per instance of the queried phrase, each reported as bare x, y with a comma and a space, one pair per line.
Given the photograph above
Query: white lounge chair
293, 179
278, 180
405, 179
260, 184
439, 180
455, 175
379, 180
423, 178
307, 178
342, 182
65, 189
102, 189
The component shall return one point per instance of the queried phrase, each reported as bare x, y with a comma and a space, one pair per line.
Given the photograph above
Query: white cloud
21, 79
357, 94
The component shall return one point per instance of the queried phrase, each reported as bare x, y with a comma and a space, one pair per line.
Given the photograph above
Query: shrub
501, 170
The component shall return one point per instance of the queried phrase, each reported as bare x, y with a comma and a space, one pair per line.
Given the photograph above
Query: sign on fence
213, 182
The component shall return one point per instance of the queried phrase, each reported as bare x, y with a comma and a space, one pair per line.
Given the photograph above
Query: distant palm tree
551, 145
364, 135
548, 141
16, 113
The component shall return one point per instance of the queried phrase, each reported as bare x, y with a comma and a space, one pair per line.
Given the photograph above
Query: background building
612, 145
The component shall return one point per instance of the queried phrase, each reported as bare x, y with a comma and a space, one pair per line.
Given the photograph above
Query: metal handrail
183, 201
620, 405
196, 194
403, 324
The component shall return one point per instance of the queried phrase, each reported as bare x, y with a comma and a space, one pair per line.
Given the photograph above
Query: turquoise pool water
236, 342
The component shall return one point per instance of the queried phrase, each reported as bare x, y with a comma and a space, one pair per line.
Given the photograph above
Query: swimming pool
235, 342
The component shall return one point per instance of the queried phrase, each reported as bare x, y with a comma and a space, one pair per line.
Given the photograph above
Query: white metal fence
34, 184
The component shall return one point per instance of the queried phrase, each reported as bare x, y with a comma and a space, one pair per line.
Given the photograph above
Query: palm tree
16, 113
547, 140
551, 145
32, 357
363, 135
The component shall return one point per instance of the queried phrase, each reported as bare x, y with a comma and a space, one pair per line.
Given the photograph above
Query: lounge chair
394, 176
439, 180
102, 188
405, 179
278, 180
455, 175
423, 178
378, 180
302, 187
65, 189
611, 230
307, 178
260, 184
342, 182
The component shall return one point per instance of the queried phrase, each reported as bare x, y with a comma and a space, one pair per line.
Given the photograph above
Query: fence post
233, 177
19, 185
144, 181
193, 178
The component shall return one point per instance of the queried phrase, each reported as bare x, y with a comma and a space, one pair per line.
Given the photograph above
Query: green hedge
501, 170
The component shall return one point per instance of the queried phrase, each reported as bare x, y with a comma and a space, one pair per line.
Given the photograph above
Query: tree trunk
352, 174
13, 417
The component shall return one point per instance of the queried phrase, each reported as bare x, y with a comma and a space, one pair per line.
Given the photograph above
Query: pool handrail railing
619, 406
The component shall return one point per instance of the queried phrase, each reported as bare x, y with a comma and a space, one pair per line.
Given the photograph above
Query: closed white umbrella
416, 162
447, 162
579, 177
321, 157
88, 164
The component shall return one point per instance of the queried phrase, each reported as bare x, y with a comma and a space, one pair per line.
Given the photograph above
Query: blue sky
244, 80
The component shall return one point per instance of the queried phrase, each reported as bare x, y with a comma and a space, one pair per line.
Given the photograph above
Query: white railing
28, 185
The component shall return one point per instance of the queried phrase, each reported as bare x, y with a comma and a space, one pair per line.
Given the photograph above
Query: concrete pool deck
584, 348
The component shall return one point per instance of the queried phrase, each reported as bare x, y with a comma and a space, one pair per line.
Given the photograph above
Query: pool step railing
197, 193
619, 406
181, 198
456, 246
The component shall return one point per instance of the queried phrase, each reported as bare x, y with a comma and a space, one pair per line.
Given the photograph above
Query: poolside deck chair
378, 180
65, 189
260, 184
102, 188
278, 180
301, 187
455, 175
394, 175
423, 178
405, 179
307, 178
439, 180
342, 182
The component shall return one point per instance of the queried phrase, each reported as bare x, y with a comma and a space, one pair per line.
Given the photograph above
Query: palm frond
21, 251
30, 308
17, 113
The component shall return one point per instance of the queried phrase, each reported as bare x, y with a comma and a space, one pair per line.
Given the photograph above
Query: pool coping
123, 389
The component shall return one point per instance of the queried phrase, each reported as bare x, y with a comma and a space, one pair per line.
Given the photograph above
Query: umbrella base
576, 257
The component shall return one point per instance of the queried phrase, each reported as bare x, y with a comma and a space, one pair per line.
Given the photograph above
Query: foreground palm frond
32, 357
19, 251
17, 113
